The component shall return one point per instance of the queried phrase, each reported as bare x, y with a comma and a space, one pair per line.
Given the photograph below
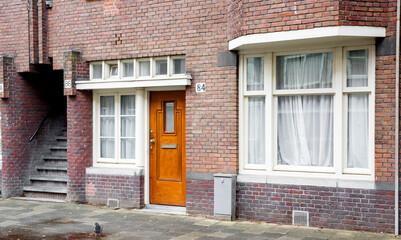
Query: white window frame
171, 65
98, 161
270, 167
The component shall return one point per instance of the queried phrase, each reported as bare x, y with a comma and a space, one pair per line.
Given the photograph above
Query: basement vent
300, 218
113, 203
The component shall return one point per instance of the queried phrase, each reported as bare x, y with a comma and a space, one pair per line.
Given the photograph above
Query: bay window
308, 111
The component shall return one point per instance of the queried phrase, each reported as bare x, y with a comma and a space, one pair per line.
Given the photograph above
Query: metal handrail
40, 126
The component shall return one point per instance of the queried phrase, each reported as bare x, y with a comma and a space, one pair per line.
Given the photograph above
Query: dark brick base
338, 208
200, 197
129, 190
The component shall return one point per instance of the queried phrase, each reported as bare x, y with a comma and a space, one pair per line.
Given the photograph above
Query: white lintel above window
131, 73
338, 35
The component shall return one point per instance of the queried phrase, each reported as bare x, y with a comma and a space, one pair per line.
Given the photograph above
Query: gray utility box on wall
225, 196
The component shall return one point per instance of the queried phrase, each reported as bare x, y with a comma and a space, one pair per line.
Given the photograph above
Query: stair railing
40, 126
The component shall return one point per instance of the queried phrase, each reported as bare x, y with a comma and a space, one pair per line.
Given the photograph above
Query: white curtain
127, 126
357, 68
358, 129
256, 130
107, 127
255, 74
358, 110
305, 123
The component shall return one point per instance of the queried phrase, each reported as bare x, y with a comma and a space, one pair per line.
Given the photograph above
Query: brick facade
338, 208
79, 143
56, 40
20, 118
129, 190
200, 197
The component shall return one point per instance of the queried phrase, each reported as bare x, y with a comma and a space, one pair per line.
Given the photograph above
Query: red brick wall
159, 28
385, 118
14, 32
129, 190
79, 143
257, 16
200, 197
21, 114
338, 208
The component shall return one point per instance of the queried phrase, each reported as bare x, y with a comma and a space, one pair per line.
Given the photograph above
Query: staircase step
45, 189
61, 138
54, 147
48, 178
55, 158
51, 168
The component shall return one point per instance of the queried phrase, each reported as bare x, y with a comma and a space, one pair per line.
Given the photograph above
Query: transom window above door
140, 68
310, 111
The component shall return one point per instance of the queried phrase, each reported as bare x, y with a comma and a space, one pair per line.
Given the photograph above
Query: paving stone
220, 234
51, 220
8, 223
207, 222
190, 236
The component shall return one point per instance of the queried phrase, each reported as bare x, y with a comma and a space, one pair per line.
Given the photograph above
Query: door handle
152, 140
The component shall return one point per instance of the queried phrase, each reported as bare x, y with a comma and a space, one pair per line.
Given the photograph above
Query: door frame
148, 92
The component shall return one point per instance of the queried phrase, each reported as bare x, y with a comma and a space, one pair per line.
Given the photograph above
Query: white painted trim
90, 85
298, 179
315, 33
115, 171
338, 171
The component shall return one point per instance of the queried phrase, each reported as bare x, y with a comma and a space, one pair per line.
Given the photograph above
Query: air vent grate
300, 218
113, 203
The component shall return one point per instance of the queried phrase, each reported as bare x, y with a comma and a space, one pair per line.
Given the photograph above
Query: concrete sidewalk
40, 220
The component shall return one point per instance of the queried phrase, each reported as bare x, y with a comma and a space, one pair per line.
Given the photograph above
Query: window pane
128, 105
128, 148
161, 67
357, 68
358, 130
144, 68
127, 126
169, 117
113, 70
106, 148
304, 71
128, 69
107, 126
97, 71
256, 130
107, 105
305, 130
179, 66
254, 74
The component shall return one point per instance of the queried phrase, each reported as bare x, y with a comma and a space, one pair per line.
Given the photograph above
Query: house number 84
200, 87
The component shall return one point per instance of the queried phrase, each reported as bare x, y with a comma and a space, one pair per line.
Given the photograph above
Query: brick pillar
79, 143
72, 59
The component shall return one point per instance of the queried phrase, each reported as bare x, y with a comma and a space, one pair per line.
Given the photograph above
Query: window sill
309, 179
118, 170
182, 80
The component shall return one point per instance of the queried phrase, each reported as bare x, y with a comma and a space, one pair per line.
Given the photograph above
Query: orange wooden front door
167, 148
